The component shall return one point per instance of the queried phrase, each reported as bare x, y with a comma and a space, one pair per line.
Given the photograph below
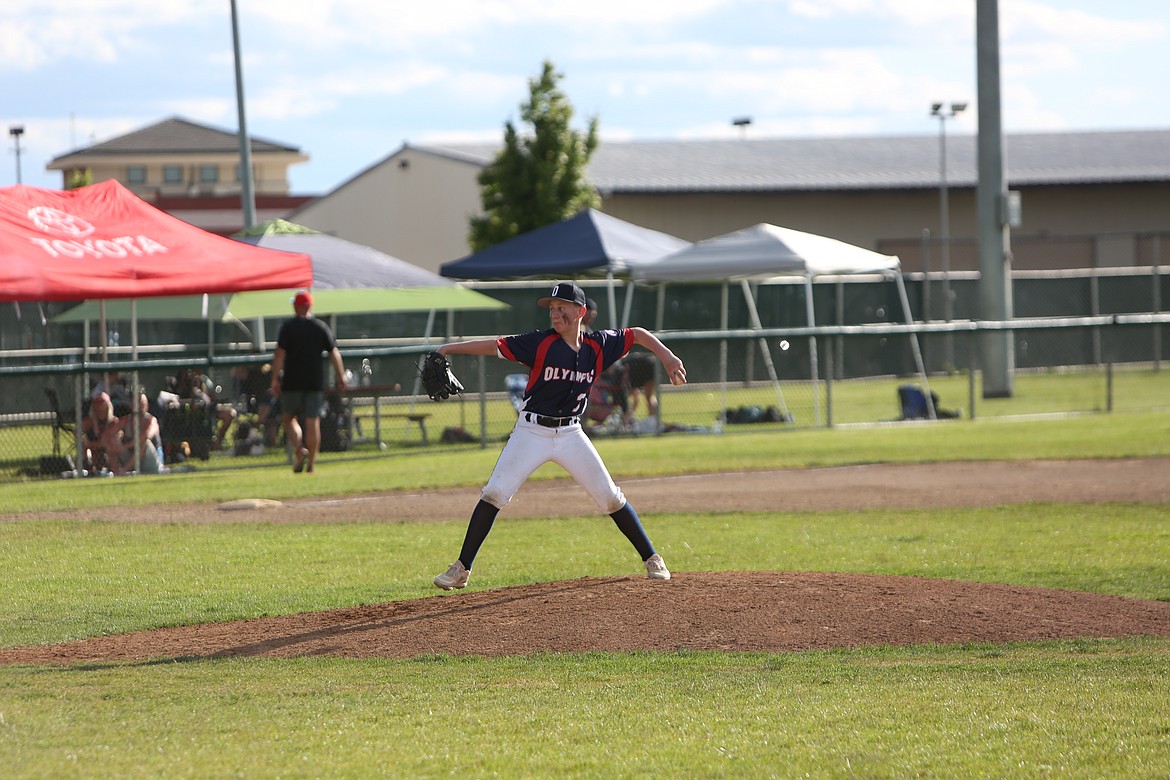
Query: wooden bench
364, 402
414, 417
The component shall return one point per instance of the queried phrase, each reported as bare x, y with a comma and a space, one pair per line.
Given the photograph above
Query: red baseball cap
304, 298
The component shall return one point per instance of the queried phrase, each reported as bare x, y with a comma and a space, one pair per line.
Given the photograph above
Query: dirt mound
730, 611
727, 611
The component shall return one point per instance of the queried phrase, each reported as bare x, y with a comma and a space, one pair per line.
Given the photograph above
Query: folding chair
61, 421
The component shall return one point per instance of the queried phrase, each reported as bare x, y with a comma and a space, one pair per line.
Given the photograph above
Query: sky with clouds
350, 81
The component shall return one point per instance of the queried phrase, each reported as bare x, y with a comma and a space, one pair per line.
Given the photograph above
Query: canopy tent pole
629, 303
210, 334
135, 387
914, 345
102, 347
661, 316
723, 299
78, 382
482, 383
427, 341
812, 350
611, 297
79, 425
754, 313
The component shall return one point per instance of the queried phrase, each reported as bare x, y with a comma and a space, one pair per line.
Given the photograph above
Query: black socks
484, 516
482, 519
627, 520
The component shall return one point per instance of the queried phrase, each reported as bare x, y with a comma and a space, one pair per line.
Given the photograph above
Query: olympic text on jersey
552, 373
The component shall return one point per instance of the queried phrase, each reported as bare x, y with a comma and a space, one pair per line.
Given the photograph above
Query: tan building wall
270, 173
416, 205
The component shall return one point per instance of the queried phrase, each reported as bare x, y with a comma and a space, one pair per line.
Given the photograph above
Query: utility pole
247, 196
16, 131
997, 352
944, 218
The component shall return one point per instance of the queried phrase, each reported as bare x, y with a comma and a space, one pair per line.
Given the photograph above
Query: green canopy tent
276, 303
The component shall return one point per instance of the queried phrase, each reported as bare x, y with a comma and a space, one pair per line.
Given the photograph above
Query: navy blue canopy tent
590, 243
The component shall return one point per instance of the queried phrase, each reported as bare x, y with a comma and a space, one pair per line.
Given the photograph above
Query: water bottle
367, 371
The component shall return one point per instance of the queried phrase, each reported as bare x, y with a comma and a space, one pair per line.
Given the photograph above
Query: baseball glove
438, 379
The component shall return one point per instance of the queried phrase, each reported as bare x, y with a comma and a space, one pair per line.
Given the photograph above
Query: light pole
247, 189
943, 112
16, 131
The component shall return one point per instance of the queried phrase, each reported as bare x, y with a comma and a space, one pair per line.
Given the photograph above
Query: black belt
550, 422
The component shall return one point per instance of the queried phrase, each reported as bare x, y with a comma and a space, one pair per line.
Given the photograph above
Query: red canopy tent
102, 242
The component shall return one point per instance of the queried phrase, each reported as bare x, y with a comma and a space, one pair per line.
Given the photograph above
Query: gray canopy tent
765, 251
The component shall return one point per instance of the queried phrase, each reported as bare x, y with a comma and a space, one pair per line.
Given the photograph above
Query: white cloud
1022, 19
365, 70
220, 112
82, 30
1041, 57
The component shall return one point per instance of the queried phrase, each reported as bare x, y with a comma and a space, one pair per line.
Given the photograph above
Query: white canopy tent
764, 251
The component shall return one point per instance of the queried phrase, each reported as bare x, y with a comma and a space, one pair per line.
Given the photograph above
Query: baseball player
563, 362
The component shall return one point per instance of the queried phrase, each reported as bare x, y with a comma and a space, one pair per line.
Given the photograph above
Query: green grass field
1132, 389
1086, 708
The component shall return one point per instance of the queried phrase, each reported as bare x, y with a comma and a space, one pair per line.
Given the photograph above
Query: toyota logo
56, 221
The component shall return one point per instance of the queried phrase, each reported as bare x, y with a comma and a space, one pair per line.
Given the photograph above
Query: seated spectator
192, 388
608, 400
254, 392
198, 391
609, 403
641, 374
114, 385
103, 436
150, 451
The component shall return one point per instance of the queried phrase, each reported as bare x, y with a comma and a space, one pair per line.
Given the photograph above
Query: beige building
1088, 199
1099, 198
191, 171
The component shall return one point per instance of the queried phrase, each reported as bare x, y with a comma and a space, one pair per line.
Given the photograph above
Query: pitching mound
740, 611
726, 611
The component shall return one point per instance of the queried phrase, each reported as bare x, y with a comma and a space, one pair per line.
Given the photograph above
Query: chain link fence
1088, 341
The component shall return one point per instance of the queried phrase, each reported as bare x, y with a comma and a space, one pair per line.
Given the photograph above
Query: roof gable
177, 136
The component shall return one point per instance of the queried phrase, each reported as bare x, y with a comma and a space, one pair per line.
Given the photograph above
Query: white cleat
457, 575
656, 568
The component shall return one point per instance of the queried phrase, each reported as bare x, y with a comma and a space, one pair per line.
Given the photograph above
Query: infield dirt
740, 611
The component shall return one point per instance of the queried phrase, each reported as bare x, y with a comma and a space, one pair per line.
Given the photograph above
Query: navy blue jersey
305, 340
559, 378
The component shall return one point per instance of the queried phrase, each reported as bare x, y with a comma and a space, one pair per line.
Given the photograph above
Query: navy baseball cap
564, 291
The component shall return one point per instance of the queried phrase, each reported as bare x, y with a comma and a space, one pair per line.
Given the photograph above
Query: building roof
176, 136
852, 163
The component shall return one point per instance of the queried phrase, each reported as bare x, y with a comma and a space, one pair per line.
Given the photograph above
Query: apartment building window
136, 174
172, 174
208, 174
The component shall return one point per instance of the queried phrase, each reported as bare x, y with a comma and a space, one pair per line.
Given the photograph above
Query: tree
79, 177
539, 178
